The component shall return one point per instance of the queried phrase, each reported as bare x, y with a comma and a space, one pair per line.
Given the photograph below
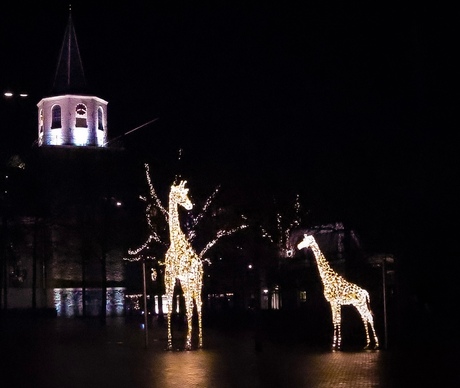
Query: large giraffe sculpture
339, 292
182, 263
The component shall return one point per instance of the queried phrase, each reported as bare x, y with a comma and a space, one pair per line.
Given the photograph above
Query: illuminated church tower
81, 184
71, 115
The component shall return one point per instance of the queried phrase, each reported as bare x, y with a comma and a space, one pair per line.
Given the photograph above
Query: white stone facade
72, 120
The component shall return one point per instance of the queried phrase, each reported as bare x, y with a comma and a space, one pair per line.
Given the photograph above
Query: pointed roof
69, 77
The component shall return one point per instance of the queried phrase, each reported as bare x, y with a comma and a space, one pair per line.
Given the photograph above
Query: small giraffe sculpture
182, 263
338, 292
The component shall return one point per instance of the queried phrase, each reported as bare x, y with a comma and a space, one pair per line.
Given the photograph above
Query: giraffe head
180, 195
307, 242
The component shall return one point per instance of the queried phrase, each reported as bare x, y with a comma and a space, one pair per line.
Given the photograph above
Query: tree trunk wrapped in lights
182, 263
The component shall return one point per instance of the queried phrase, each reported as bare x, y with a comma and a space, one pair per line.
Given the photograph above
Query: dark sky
345, 104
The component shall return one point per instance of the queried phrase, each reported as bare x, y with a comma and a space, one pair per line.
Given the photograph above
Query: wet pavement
55, 352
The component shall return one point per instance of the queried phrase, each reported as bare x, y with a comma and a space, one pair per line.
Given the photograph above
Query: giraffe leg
365, 314
200, 328
376, 340
368, 320
339, 341
333, 328
168, 315
366, 329
339, 331
336, 337
169, 304
189, 315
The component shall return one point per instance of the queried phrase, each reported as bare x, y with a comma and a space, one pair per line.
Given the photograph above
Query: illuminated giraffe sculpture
338, 292
181, 262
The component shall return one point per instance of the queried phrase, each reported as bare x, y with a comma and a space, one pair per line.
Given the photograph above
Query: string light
155, 202
284, 235
220, 233
153, 193
197, 219
181, 261
139, 258
339, 292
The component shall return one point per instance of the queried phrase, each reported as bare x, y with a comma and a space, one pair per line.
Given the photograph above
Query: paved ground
68, 353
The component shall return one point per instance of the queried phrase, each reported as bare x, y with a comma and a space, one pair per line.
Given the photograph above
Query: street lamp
9, 94
146, 313
381, 261
144, 290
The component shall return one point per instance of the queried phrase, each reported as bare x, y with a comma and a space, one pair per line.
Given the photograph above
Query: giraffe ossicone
183, 264
338, 292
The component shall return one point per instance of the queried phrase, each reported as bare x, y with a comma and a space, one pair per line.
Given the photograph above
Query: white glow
283, 231
181, 262
69, 302
100, 138
79, 119
339, 292
155, 203
164, 304
56, 136
81, 136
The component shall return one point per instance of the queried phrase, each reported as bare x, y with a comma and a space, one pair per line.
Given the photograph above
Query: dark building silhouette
70, 211
68, 204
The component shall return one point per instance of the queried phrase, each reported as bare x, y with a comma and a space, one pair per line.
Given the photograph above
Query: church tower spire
71, 116
69, 76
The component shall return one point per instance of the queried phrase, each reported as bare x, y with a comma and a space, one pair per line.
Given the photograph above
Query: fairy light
181, 261
135, 300
283, 234
154, 202
139, 258
220, 233
142, 247
153, 193
338, 292
200, 216
153, 237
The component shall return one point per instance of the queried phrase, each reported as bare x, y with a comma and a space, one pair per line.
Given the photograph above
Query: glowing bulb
181, 261
338, 291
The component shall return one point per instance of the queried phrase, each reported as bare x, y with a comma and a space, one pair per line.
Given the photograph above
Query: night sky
346, 104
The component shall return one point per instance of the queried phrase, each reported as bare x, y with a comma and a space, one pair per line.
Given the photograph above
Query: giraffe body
339, 292
183, 264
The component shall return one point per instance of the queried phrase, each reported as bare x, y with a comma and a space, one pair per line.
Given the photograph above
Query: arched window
100, 123
56, 116
81, 114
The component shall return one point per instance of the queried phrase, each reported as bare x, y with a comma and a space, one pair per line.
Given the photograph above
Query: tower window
100, 124
56, 116
81, 114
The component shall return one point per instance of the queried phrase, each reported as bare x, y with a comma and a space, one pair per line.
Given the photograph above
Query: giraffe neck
173, 219
324, 268
175, 230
